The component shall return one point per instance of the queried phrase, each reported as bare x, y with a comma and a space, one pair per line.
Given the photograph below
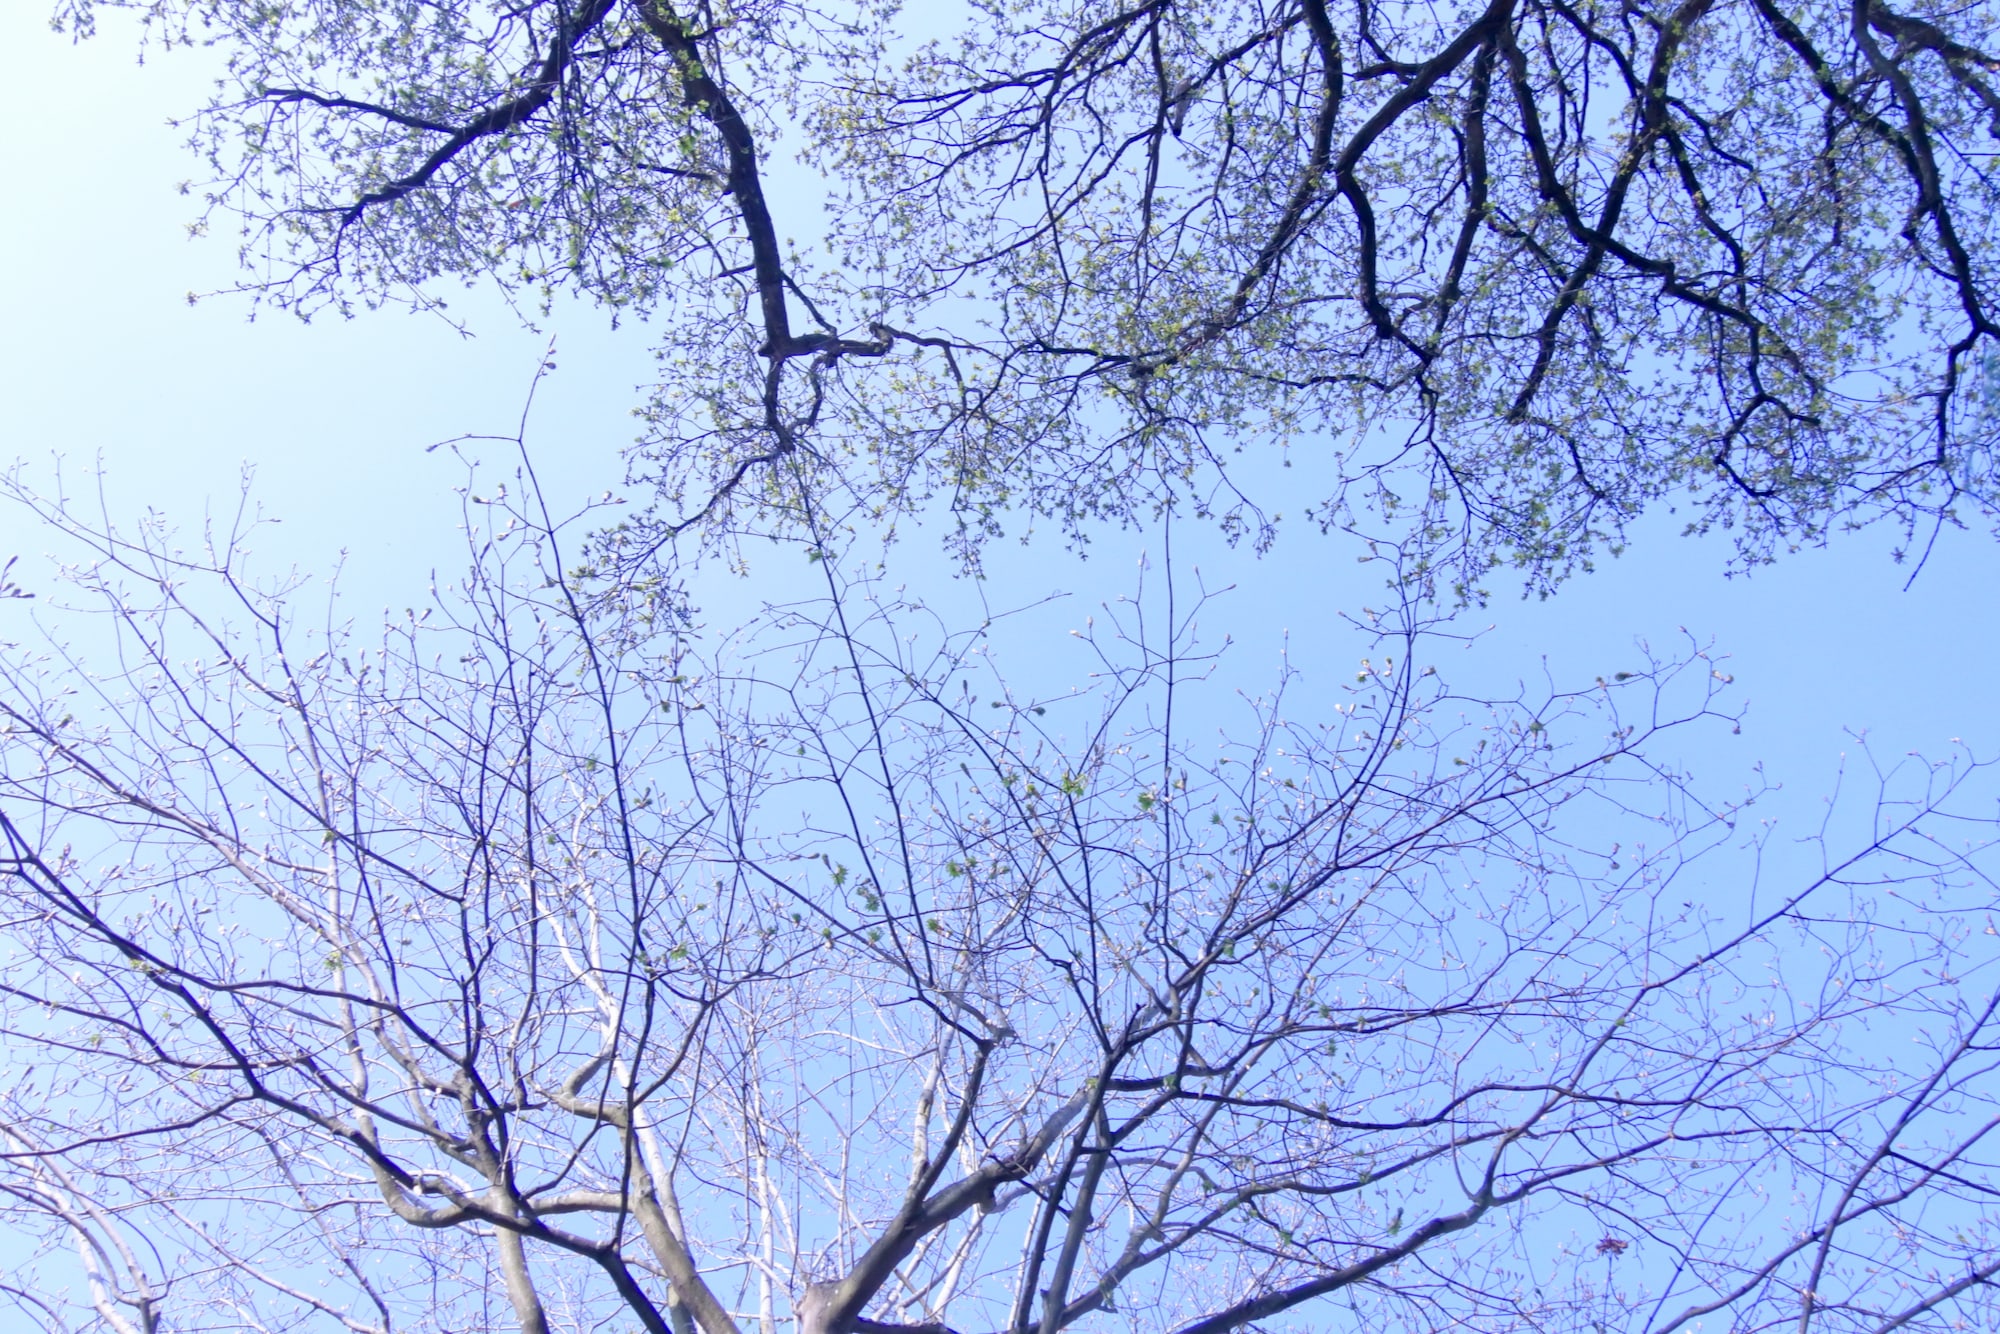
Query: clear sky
102, 356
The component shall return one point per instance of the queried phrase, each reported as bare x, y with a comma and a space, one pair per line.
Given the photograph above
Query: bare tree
550, 964
1517, 270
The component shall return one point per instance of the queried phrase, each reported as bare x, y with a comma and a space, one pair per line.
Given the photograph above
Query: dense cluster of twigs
534, 965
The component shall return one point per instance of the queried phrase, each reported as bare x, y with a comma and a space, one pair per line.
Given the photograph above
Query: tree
547, 963
1503, 274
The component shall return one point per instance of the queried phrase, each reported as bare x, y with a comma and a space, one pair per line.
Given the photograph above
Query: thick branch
1270, 1304
833, 1308
498, 120
746, 185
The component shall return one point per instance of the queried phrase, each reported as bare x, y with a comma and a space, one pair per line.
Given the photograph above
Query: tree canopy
530, 967
1503, 276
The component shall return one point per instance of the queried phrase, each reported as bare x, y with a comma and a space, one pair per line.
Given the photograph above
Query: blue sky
103, 356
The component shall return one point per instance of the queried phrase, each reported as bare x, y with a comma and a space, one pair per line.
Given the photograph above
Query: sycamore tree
548, 964
1503, 274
